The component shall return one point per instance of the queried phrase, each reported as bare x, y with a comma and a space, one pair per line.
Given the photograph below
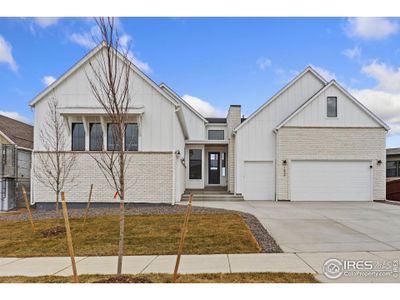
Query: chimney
233, 118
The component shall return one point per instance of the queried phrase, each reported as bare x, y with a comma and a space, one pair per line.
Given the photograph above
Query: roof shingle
20, 133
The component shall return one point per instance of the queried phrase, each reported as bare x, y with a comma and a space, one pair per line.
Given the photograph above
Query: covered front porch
207, 166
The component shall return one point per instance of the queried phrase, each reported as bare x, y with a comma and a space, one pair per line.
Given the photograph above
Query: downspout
31, 198
276, 164
234, 164
173, 178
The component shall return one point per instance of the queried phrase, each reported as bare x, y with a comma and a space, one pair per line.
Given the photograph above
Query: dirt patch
54, 231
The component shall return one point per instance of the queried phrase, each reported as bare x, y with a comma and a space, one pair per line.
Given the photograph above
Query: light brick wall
233, 120
149, 178
332, 144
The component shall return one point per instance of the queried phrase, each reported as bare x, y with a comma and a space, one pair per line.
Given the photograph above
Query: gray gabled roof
17, 132
393, 151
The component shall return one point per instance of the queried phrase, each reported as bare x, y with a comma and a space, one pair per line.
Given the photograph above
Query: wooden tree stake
183, 236
28, 208
88, 205
69, 237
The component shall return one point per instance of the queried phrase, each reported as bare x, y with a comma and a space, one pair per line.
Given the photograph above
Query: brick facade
332, 144
149, 179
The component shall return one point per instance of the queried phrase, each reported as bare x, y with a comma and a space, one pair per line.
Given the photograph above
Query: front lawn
144, 235
167, 278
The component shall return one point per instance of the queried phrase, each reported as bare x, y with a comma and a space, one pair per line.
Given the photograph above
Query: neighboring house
393, 174
16, 143
311, 141
392, 164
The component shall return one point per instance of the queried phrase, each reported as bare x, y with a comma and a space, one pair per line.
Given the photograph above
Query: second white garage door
330, 181
259, 180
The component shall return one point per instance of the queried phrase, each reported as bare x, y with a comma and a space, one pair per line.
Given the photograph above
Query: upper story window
195, 159
215, 134
393, 169
331, 107
96, 137
78, 137
131, 137
112, 138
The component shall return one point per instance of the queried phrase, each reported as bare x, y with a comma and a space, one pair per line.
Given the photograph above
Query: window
195, 163
112, 139
131, 137
393, 169
331, 107
223, 163
96, 137
215, 134
78, 137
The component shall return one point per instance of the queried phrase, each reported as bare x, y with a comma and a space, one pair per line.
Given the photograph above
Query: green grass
167, 278
144, 235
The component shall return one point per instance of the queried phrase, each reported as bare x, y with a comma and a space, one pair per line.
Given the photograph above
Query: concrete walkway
191, 264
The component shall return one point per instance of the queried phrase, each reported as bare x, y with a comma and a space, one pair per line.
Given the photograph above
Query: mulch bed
264, 239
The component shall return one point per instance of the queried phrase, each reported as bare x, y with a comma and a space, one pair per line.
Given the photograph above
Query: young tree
109, 79
55, 164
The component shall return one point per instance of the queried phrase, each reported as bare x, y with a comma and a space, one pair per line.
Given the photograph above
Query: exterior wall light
379, 162
284, 162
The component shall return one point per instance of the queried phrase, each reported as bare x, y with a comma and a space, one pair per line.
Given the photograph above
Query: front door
213, 168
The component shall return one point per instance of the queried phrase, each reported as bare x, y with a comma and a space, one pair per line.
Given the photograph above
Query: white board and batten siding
255, 140
330, 180
349, 114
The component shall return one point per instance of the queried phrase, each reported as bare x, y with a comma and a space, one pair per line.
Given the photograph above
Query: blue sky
215, 62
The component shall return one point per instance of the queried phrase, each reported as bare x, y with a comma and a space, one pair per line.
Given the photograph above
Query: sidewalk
191, 264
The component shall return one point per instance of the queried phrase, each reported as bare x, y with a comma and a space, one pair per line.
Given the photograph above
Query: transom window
393, 168
215, 134
96, 137
195, 159
78, 137
331, 107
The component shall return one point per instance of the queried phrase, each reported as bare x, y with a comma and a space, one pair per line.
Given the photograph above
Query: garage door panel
330, 181
259, 180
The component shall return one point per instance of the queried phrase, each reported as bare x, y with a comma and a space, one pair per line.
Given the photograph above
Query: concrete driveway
324, 226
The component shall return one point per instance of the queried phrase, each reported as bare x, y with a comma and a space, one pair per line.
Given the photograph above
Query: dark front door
213, 168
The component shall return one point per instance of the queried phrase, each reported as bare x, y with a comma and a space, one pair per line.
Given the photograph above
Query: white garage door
259, 180
330, 181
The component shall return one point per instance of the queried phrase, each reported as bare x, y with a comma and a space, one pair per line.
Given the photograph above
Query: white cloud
88, 40
353, 53
263, 63
328, 75
14, 115
45, 22
203, 107
47, 80
388, 78
384, 104
125, 40
6, 54
371, 28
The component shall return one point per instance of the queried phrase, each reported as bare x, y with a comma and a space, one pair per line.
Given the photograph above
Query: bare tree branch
55, 166
110, 82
